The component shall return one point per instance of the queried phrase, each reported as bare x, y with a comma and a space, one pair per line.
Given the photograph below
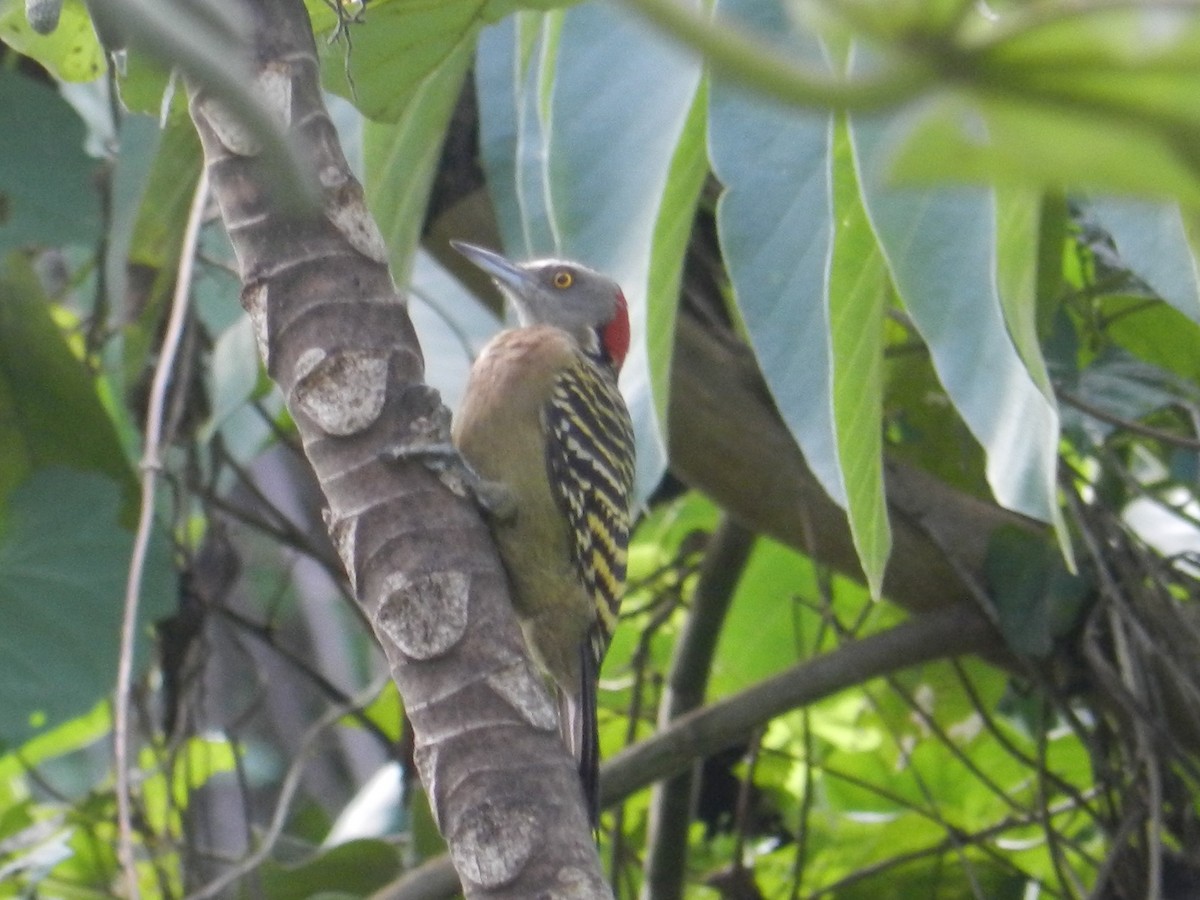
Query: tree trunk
337, 339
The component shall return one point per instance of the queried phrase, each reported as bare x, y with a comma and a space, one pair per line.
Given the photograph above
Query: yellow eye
563, 279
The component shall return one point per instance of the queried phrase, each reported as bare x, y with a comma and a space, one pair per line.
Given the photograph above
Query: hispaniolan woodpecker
543, 418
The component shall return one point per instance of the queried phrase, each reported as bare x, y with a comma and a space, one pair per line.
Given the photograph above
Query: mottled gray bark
337, 339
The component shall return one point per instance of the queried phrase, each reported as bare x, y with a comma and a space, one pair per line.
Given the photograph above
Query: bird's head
567, 295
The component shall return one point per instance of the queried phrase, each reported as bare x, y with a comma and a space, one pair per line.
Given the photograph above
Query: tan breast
499, 429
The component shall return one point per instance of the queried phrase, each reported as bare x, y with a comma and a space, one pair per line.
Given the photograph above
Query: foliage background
981, 264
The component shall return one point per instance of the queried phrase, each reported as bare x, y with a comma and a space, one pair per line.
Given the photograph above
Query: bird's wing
589, 452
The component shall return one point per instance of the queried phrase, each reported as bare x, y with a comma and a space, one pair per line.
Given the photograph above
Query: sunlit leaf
672, 232
60, 740
71, 51
765, 630
166, 795
386, 712
1156, 333
857, 293
940, 246
1018, 241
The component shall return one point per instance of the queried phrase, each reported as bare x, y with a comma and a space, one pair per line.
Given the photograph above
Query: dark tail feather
577, 718
589, 743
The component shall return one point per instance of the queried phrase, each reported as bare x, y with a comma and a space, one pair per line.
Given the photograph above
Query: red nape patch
615, 335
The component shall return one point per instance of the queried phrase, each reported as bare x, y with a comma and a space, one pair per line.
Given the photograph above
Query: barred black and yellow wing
589, 453
590, 457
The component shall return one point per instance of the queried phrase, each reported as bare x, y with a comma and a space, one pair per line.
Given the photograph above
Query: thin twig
1006, 743
150, 466
265, 634
951, 842
948, 631
287, 791
1149, 431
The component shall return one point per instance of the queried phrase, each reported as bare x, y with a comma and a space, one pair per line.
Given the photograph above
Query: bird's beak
507, 275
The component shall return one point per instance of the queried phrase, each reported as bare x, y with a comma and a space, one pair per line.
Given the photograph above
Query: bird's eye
563, 279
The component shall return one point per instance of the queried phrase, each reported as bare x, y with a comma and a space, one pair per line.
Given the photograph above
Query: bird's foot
444, 461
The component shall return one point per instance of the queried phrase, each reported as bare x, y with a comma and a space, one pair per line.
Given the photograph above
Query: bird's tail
580, 732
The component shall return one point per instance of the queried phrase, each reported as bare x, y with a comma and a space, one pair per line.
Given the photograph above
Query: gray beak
511, 278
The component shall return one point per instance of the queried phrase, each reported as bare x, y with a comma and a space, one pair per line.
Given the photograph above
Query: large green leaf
47, 183
763, 632
1156, 333
596, 159
514, 69
50, 413
142, 83
775, 222
808, 280
1156, 244
139, 139
1104, 99
1019, 223
672, 232
393, 52
1018, 220
1036, 599
168, 191
63, 566
400, 157
857, 292
941, 247
395, 47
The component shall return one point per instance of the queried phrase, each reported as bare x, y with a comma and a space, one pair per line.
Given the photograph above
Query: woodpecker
542, 417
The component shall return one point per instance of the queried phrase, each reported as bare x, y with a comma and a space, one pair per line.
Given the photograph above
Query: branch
150, 465
764, 482
337, 339
1102, 415
758, 65
195, 41
728, 441
952, 631
687, 683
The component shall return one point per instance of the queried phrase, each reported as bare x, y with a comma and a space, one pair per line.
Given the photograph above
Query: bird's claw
444, 461
494, 497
